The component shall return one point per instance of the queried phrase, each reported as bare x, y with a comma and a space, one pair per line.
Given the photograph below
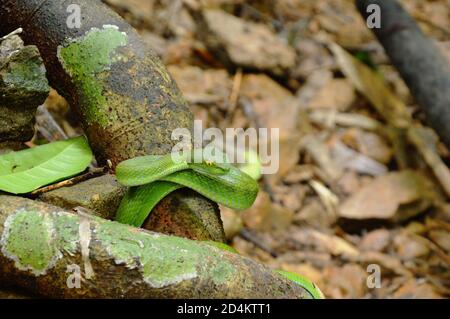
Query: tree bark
128, 103
47, 251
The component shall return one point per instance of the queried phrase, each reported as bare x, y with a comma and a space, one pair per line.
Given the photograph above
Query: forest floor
358, 205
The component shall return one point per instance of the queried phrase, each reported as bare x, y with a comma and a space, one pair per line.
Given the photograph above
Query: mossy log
42, 246
128, 103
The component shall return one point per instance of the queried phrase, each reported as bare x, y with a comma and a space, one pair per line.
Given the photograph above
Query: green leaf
24, 171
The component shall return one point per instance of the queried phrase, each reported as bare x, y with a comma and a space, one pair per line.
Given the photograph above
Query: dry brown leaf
329, 200
336, 245
348, 281
369, 144
349, 182
314, 214
247, 44
388, 264
293, 198
376, 240
337, 94
320, 153
299, 173
416, 289
407, 247
256, 216
382, 197
203, 87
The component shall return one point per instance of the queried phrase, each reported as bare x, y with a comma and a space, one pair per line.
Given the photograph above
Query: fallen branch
418, 59
59, 254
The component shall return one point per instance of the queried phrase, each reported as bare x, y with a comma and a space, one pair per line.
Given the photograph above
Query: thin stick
69, 182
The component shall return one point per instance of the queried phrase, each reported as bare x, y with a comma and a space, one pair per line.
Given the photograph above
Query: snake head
211, 168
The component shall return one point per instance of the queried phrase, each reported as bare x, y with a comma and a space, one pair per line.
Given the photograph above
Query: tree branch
42, 247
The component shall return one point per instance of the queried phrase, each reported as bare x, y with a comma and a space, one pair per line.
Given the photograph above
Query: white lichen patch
112, 26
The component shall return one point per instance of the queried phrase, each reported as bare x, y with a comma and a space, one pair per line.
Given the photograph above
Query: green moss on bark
85, 59
28, 240
39, 242
165, 260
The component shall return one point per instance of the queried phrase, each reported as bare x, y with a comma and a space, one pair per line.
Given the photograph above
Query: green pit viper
209, 173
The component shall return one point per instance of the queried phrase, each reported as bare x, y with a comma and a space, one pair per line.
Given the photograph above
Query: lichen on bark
34, 240
39, 242
85, 59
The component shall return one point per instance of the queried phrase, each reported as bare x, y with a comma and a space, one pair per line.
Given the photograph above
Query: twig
69, 182
329, 200
344, 119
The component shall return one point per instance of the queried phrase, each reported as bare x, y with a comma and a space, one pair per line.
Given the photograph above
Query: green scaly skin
153, 177
307, 284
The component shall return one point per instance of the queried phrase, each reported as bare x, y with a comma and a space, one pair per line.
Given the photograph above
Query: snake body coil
153, 177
